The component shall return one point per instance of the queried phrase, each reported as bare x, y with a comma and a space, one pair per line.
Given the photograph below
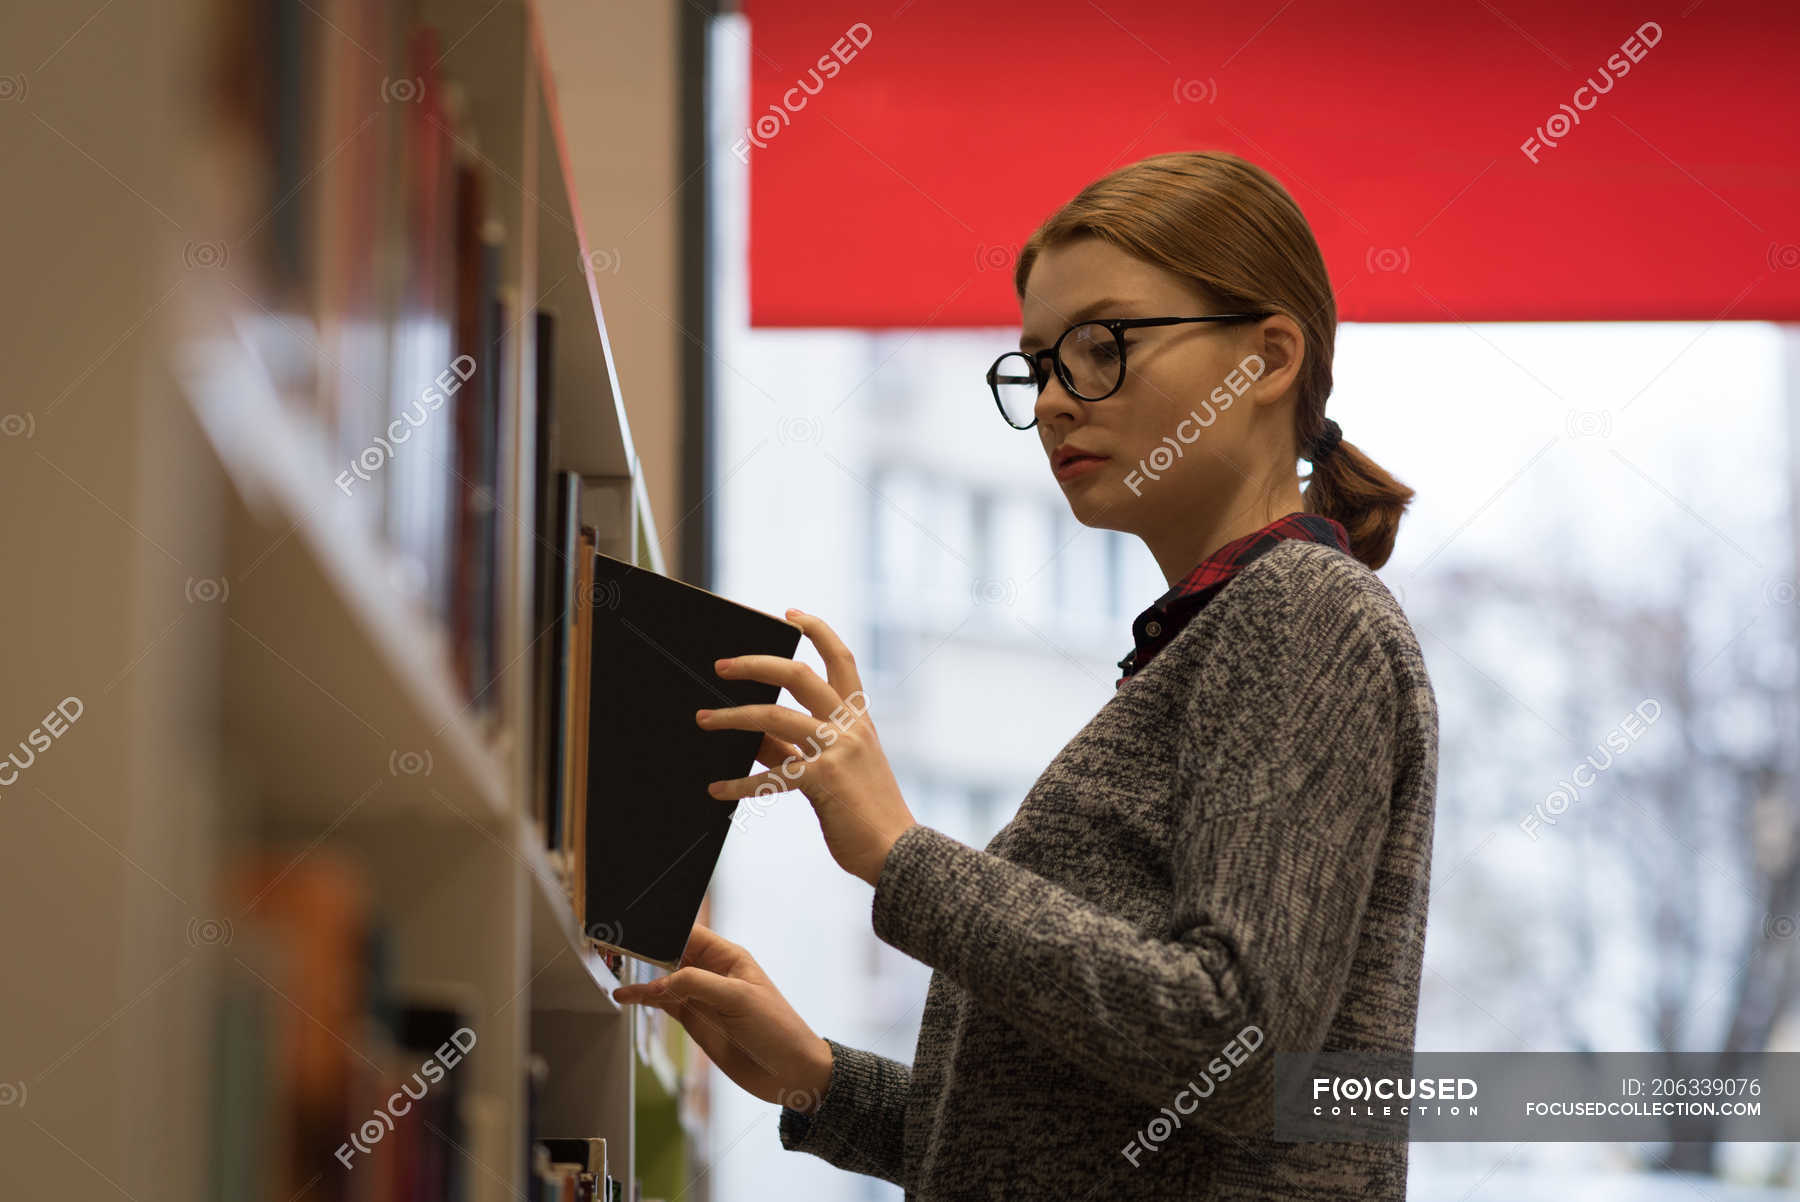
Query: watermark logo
1195, 91
1187, 1100
794, 766
1562, 123
18, 425
371, 458
610, 933
1784, 256
209, 932
207, 590
1630, 729
402, 91
1164, 456
994, 258
995, 591
803, 1100
12, 1093
1780, 926
800, 431
54, 725
204, 256
764, 129
1358, 1096
12, 87
1388, 259
603, 262
433, 1070
1588, 423
600, 594
409, 763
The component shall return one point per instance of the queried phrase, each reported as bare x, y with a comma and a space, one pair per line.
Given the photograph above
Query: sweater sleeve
859, 1122
1282, 784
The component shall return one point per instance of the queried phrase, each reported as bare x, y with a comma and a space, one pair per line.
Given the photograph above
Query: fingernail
702, 715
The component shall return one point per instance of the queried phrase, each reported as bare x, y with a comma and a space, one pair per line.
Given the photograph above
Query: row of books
565, 1170
379, 263
563, 599
377, 267
332, 1083
327, 1078
377, 306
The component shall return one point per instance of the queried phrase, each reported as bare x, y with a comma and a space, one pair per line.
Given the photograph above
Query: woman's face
1192, 429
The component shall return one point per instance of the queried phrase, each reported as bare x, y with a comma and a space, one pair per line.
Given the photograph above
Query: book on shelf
478, 352
370, 288
575, 707
580, 1165
627, 821
327, 1076
557, 582
555, 496
415, 437
653, 833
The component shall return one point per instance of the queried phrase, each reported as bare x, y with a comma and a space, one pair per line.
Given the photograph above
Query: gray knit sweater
1239, 838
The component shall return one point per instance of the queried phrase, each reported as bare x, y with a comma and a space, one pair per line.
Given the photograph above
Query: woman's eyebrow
1027, 342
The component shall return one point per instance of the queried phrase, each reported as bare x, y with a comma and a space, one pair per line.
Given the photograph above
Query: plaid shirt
1156, 626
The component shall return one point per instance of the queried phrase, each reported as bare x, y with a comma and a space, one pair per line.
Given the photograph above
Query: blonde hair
1232, 229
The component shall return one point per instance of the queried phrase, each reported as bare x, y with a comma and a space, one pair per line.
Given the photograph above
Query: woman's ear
1281, 344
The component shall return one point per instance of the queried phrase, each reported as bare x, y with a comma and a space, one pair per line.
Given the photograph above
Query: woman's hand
740, 1020
833, 757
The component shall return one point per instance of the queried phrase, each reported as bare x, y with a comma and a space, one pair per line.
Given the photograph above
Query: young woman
1231, 858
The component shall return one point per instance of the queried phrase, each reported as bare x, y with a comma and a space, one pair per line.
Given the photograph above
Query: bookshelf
280, 733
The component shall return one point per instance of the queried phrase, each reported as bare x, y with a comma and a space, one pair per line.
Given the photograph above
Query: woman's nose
1055, 402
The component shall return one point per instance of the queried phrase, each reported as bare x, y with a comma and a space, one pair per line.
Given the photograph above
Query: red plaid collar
1157, 626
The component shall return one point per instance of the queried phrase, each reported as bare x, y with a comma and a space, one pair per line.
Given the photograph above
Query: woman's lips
1080, 465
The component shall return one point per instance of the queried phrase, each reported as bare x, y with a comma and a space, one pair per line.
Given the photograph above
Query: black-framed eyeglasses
1089, 360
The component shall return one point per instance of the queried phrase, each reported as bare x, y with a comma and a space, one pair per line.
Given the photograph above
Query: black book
484, 656
561, 640
546, 602
654, 833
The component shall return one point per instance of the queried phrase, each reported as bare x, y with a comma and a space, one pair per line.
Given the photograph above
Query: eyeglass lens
1090, 357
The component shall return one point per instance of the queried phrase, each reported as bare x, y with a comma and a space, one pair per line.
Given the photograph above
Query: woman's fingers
763, 784
806, 685
773, 752
840, 665
713, 952
684, 984
778, 720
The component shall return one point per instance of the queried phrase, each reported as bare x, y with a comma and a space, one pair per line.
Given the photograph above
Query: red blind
899, 155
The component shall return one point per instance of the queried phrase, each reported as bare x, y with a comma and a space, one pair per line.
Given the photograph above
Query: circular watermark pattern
409, 763
402, 91
1195, 91
204, 256
606, 932
603, 262
995, 591
799, 431
209, 932
208, 590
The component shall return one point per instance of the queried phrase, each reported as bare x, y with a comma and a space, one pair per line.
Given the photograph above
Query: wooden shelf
333, 676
